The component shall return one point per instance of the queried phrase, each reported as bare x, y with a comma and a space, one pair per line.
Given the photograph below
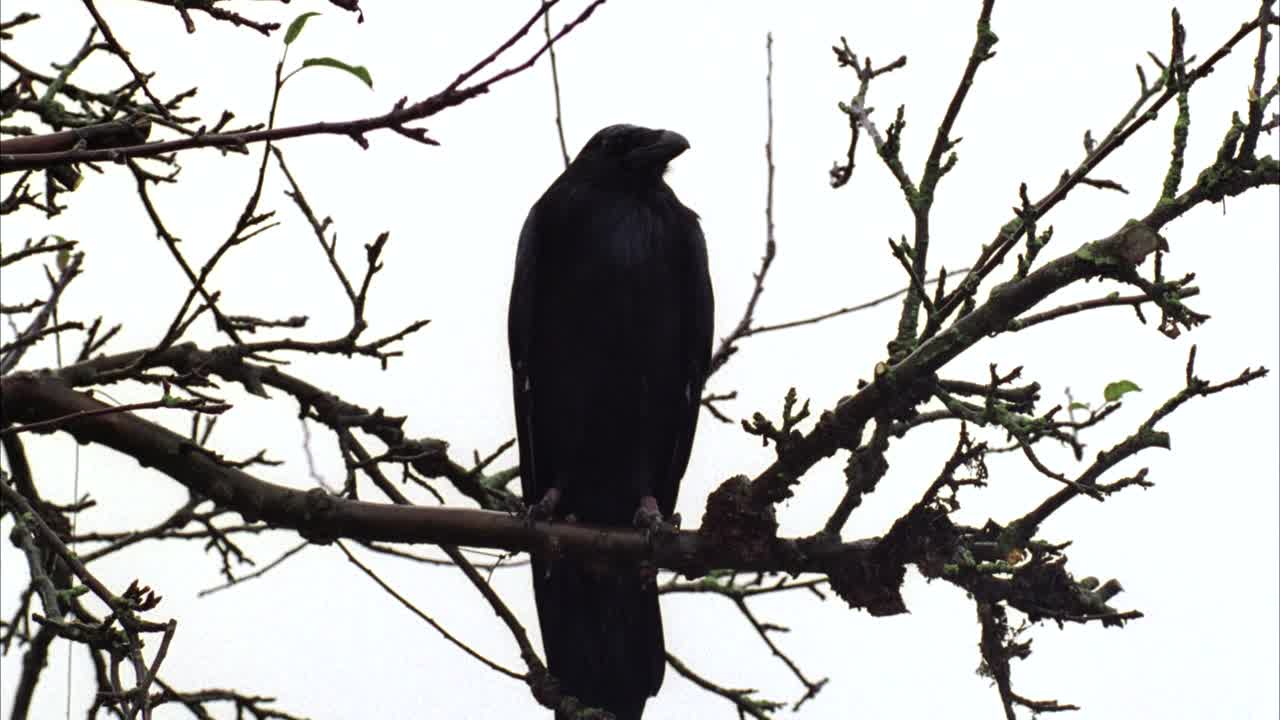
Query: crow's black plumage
610, 329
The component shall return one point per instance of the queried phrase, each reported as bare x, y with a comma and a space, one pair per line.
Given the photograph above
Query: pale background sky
1197, 553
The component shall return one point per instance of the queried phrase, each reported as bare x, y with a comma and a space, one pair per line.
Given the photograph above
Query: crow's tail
602, 633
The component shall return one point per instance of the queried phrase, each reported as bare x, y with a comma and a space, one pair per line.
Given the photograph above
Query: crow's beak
664, 146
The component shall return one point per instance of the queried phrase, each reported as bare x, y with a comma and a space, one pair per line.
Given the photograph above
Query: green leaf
359, 71
1077, 406
1114, 391
295, 27
64, 255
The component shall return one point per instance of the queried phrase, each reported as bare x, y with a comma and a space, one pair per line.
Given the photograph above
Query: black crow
610, 328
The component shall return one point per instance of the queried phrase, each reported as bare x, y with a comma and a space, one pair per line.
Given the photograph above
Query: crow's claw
544, 509
649, 518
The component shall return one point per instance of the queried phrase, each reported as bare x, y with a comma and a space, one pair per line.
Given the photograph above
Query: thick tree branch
455, 94
1113, 257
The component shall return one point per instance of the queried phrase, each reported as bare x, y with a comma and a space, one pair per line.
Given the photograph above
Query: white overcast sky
1197, 553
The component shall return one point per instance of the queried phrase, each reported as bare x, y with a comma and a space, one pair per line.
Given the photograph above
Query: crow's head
633, 151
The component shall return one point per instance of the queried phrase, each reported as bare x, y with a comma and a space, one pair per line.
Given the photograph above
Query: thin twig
426, 618
842, 311
123, 54
555, 85
727, 345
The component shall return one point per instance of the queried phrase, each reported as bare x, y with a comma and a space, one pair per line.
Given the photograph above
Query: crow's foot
544, 509
648, 517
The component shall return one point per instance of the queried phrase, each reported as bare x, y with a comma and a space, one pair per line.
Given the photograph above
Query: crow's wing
696, 336
520, 342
